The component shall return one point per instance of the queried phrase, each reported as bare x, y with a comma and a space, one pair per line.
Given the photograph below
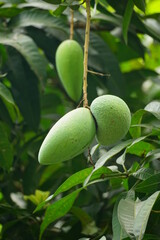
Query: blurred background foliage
124, 44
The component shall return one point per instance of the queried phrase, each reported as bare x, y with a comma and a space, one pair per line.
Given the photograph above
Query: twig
86, 46
90, 158
100, 74
71, 24
80, 103
156, 211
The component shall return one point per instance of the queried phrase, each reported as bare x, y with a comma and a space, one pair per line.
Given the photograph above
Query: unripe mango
69, 63
69, 137
113, 118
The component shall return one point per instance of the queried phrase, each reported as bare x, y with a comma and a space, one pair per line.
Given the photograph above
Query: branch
86, 46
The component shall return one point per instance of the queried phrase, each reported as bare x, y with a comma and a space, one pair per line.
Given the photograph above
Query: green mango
113, 118
69, 137
69, 64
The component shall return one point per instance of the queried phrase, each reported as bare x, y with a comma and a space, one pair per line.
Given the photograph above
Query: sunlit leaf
152, 7
140, 4
38, 197
154, 108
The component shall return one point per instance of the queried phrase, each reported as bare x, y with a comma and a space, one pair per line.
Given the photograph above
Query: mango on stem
69, 63
69, 137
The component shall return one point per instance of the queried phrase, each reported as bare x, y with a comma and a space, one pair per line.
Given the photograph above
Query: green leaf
135, 131
13, 2
134, 215
88, 224
53, 1
58, 210
9, 12
121, 159
26, 46
3, 75
126, 213
73, 180
143, 216
39, 19
140, 149
140, 4
118, 231
154, 108
49, 171
25, 88
109, 17
79, 178
153, 155
6, 150
127, 19
58, 11
150, 185
38, 4
9, 102
151, 27
5, 94
143, 173
38, 197
112, 152
97, 1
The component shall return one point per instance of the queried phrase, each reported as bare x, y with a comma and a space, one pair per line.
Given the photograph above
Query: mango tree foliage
118, 198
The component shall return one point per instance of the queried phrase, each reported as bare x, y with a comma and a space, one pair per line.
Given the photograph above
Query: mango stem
86, 47
71, 24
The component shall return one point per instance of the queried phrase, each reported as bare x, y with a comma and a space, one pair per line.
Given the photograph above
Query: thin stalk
99, 73
86, 47
71, 24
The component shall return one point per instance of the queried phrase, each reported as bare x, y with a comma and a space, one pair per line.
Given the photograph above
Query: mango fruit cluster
108, 119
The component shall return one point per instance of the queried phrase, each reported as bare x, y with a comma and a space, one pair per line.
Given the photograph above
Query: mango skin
69, 64
69, 137
113, 118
